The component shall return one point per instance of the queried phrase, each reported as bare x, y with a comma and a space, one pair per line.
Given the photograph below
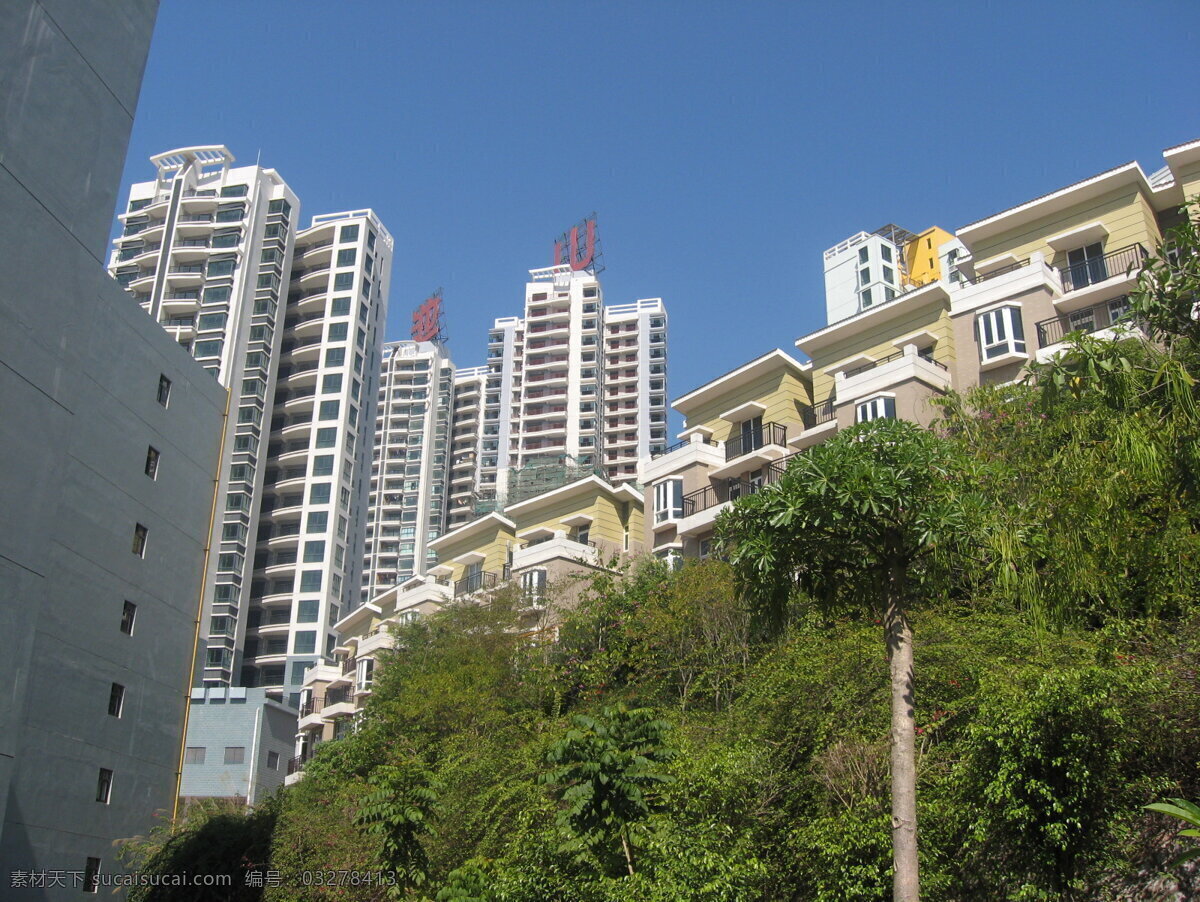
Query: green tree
215, 836
608, 768
878, 517
396, 810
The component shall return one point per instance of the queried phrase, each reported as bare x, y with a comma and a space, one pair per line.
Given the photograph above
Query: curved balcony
312, 276
188, 250
293, 431
298, 351
297, 403
284, 539
198, 203
266, 630
179, 306
277, 598
312, 255
143, 281
307, 327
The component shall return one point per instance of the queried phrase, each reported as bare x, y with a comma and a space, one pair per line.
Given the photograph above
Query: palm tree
876, 518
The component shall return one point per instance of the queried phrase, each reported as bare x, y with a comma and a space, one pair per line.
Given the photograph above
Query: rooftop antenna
258, 159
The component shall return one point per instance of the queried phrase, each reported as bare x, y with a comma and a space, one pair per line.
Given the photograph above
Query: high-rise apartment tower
291, 324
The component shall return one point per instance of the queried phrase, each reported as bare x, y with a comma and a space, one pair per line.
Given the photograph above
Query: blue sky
723, 145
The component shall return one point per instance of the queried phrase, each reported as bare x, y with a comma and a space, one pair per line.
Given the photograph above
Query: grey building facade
238, 745
101, 553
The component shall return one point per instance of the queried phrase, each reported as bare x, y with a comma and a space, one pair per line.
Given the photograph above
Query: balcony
1106, 320
755, 439
476, 582
554, 547
906, 365
1123, 262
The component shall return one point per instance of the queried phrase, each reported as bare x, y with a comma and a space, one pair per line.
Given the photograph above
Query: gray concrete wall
79, 372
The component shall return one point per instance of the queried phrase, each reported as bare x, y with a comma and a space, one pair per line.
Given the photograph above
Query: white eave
1056, 201
880, 313
743, 375
473, 528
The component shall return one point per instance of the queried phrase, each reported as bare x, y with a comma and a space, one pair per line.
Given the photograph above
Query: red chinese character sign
567, 250
427, 319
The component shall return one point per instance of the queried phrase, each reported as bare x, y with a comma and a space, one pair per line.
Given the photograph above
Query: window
152, 462
335, 356
864, 298
104, 785
306, 642
206, 349
886, 253
1082, 320
235, 754
116, 700
999, 332
329, 410
1085, 266
668, 500
91, 876
347, 256
314, 552
322, 465
343, 281
310, 581
348, 233
211, 321
888, 274
340, 307
326, 436
220, 267
273, 760
331, 382
862, 255
307, 610
164, 390
318, 521
139, 540
1118, 308
319, 493
875, 409
128, 615
267, 280
233, 191
364, 674
338, 331
193, 754
533, 583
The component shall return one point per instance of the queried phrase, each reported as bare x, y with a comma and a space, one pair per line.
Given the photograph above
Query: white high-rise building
466, 448
410, 470
573, 386
207, 250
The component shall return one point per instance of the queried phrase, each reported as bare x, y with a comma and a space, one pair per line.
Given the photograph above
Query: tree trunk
628, 853
905, 883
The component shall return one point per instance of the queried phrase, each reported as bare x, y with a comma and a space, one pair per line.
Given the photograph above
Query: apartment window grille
128, 615
116, 700
104, 785
999, 332
140, 533
875, 409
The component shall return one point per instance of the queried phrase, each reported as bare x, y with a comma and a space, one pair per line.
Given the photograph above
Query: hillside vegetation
722, 732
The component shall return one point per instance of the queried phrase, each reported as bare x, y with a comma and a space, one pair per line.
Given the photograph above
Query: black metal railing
733, 489
677, 446
824, 412
1097, 269
475, 582
1088, 320
757, 437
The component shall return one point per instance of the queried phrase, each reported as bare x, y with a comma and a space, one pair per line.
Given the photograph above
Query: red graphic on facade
570, 253
427, 319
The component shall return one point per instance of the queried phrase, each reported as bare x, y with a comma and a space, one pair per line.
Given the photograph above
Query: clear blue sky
723, 145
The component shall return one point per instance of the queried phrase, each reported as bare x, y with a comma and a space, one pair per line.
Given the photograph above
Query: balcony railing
926, 355
675, 447
814, 416
475, 582
1089, 272
1088, 320
733, 489
753, 439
